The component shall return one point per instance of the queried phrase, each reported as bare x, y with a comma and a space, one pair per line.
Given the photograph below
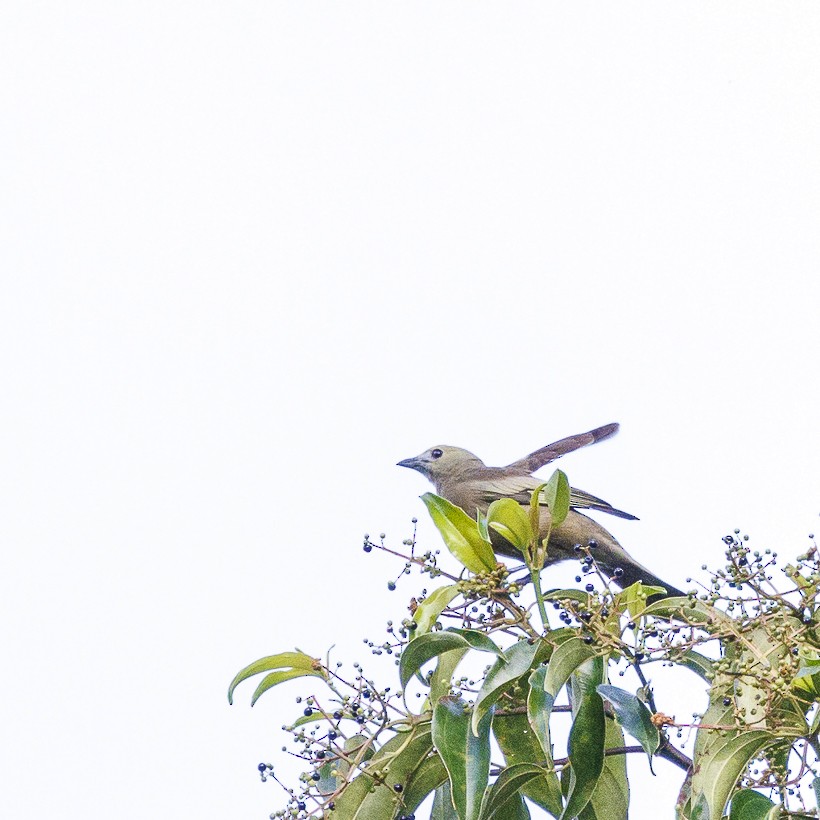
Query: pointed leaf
717, 771
518, 661
499, 803
748, 804
442, 678
298, 664
461, 534
557, 496
567, 595
316, 717
356, 747
428, 777
426, 647
564, 661
535, 509
610, 800
365, 797
697, 663
635, 717
465, 754
274, 679
815, 723
692, 611
508, 518
635, 596
539, 709
443, 808
516, 809
519, 744
431, 607
587, 736
481, 521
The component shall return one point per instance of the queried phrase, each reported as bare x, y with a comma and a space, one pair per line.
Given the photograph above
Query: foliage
485, 746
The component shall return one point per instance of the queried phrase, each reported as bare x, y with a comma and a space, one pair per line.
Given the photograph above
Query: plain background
254, 253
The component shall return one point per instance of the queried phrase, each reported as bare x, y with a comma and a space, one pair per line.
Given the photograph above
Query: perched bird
466, 481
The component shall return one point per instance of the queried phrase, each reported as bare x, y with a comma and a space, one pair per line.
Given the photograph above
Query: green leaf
577, 595
545, 684
697, 663
443, 808
806, 683
556, 497
539, 709
357, 747
465, 754
428, 777
565, 659
518, 744
815, 723
535, 510
748, 804
504, 794
328, 781
690, 610
508, 518
518, 661
442, 677
289, 665
316, 717
635, 717
758, 652
481, 521
610, 800
516, 809
718, 770
634, 597
426, 647
587, 736
461, 534
365, 797
431, 607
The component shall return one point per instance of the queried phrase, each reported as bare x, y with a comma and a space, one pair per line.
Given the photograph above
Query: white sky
255, 253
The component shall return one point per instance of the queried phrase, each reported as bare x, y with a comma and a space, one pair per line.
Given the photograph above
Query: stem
539, 596
674, 755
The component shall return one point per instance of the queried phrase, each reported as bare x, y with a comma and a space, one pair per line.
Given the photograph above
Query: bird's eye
436, 453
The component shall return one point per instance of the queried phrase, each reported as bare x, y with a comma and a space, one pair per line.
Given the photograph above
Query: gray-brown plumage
466, 481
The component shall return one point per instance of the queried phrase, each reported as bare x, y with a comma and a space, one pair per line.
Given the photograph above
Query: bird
464, 480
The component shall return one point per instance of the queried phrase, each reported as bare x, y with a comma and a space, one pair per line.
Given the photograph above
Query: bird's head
442, 462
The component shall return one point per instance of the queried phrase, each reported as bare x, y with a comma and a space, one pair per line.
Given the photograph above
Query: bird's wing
520, 487
545, 455
585, 501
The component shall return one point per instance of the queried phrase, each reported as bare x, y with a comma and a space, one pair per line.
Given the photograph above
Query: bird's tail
632, 572
613, 560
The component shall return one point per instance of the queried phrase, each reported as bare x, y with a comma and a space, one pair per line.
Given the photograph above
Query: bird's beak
412, 463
